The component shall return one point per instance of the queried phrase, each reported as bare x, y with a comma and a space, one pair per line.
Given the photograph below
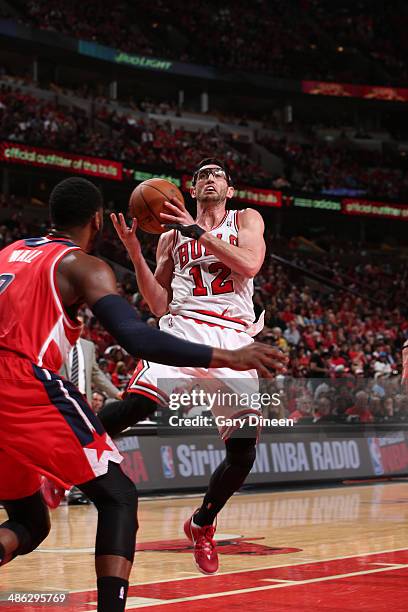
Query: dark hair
73, 202
213, 161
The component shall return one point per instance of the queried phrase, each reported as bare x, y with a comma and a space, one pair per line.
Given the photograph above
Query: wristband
190, 231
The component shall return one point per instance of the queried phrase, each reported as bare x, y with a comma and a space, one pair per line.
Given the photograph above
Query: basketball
147, 201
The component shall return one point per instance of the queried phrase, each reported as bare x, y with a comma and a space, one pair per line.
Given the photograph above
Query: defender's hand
127, 234
261, 357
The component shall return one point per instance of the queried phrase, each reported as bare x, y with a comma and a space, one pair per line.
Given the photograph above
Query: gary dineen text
222, 421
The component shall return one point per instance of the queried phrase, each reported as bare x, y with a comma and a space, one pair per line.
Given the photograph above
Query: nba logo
167, 461
375, 452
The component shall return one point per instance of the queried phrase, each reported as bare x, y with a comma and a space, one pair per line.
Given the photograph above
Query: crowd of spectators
376, 29
93, 20
157, 143
340, 168
344, 348
308, 39
343, 401
24, 118
128, 138
313, 165
344, 344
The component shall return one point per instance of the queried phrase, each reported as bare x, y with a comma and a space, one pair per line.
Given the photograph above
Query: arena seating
308, 39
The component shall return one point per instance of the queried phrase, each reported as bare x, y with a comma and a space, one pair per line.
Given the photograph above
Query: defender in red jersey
36, 335
47, 426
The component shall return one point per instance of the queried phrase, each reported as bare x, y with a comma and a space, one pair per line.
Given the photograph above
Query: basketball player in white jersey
202, 290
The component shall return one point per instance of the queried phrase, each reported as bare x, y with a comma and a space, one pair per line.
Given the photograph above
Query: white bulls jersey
205, 288
211, 305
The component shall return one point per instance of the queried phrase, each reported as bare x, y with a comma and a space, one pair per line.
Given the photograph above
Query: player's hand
175, 212
261, 357
127, 234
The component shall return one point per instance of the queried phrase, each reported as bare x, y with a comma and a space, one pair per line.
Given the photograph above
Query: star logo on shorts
99, 444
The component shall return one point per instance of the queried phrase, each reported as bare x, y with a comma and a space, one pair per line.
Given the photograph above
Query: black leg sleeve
227, 478
115, 497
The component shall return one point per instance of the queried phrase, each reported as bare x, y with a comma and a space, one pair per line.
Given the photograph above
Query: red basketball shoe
205, 552
52, 493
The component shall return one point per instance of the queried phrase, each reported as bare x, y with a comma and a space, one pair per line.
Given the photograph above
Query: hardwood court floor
328, 549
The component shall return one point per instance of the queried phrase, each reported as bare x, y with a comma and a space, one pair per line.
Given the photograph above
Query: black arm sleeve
141, 340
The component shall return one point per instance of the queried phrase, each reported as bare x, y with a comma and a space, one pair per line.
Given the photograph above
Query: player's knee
116, 499
29, 533
241, 451
29, 519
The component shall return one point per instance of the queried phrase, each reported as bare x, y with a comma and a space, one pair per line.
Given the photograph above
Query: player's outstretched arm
246, 258
83, 278
155, 288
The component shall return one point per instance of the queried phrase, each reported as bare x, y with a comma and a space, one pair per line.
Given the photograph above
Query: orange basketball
147, 200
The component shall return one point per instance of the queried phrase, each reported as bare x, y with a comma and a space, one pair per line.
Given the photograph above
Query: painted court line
324, 571
282, 584
260, 568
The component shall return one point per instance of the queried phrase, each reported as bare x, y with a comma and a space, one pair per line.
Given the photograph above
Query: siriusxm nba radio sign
273, 458
160, 463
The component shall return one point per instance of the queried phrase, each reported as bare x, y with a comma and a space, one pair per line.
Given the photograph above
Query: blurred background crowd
309, 39
344, 346
333, 288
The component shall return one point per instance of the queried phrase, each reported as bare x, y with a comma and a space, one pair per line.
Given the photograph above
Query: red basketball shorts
47, 427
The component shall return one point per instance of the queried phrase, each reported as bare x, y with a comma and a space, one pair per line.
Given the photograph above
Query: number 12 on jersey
220, 283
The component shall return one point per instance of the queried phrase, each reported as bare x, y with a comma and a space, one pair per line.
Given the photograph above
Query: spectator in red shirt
287, 315
303, 409
336, 359
360, 408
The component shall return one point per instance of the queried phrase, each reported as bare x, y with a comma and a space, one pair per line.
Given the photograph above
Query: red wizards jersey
33, 322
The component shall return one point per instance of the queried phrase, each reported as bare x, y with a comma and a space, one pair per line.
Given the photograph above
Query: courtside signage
322, 204
368, 208
260, 197
187, 461
141, 175
17, 153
